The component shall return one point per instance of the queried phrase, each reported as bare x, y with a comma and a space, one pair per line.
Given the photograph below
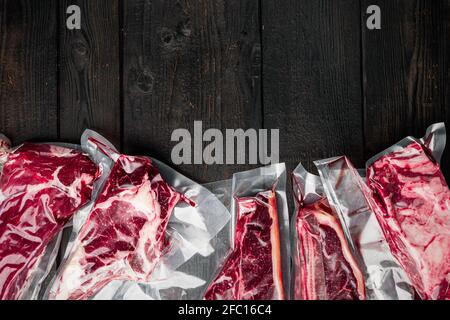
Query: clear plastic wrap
177, 286
325, 266
190, 280
169, 219
385, 279
258, 266
41, 187
202, 268
411, 200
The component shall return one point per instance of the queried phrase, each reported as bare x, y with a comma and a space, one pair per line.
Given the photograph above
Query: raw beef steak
413, 208
253, 270
328, 269
124, 236
41, 187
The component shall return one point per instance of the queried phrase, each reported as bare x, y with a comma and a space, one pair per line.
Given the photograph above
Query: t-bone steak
412, 205
124, 236
253, 269
327, 267
41, 187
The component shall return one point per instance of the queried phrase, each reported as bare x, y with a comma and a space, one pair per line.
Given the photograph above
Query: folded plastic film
385, 279
307, 189
46, 265
434, 140
200, 266
178, 286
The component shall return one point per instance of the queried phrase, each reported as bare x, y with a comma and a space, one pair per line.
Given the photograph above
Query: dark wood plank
187, 61
28, 70
89, 74
90, 70
406, 71
312, 79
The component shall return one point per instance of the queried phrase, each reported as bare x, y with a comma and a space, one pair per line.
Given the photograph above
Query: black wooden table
139, 69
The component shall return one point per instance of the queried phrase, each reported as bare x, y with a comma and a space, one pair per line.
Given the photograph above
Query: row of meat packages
381, 233
141, 230
134, 221
138, 229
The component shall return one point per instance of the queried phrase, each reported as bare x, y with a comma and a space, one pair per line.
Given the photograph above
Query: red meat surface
413, 208
253, 270
124, 235
327, 267
41, 187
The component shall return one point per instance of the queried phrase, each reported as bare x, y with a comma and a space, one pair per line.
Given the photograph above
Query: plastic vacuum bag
189, 281
178, 286
385, 279
41, 187
325, 266
257, 268
411, 200
169, 219
201, 268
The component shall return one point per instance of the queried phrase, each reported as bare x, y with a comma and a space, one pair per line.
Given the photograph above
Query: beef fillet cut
124, 236
412, 205
41, 187
328, 269
253, 269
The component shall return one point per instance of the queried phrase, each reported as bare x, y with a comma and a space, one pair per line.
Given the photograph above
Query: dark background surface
140, 69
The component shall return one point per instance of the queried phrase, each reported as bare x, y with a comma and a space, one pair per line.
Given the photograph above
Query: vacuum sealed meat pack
342, 185
324, 263
41, 187
257, 268
140, 229
411, 200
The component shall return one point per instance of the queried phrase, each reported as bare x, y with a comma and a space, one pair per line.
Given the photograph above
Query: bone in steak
412, 205
123, 237
41, 187
328, 269
253, 270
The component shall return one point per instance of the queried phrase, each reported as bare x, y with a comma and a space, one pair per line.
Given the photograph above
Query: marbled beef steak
124, 237
41, 187
412, 204
327, 267
253, 269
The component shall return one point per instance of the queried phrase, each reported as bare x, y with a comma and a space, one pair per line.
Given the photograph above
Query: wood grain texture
89, 75
312, 79
307, 67
187, 61
406, 71
89, 72
28, 70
